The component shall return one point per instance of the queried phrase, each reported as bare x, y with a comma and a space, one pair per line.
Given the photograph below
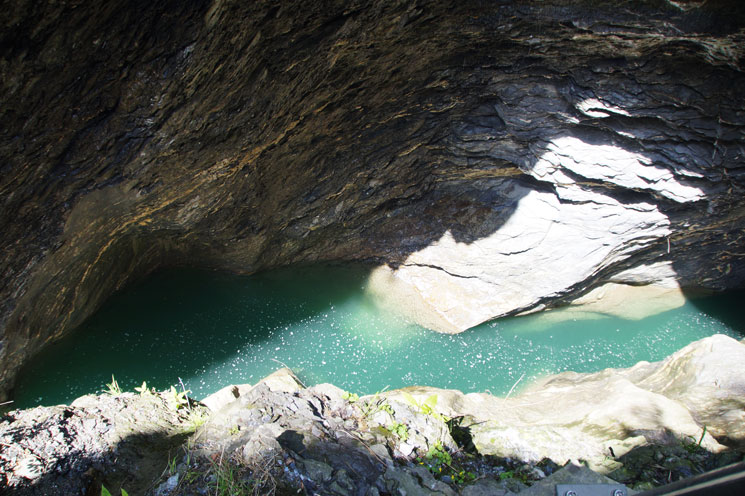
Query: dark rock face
244, 135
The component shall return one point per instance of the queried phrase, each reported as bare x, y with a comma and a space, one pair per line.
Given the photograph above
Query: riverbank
643, 426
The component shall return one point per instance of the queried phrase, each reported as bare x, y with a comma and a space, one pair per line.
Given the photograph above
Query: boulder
695, 394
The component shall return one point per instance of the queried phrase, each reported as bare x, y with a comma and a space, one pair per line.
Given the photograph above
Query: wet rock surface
280, 437
496, 157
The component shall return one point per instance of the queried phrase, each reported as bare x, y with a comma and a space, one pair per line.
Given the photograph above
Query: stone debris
280, 437
98, 439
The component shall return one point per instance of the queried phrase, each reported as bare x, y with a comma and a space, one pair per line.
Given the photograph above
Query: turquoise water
211, 329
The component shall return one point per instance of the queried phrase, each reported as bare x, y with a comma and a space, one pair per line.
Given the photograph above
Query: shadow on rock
121, 442
649, 466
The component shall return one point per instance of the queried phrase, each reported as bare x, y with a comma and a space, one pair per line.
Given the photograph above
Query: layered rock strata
493, 157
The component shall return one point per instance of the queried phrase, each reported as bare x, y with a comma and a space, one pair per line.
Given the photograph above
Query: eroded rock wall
498, 156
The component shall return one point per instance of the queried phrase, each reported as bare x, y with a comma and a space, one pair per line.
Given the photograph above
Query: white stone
543, 249
548, 246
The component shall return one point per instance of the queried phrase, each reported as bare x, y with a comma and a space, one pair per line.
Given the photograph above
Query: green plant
234, 430
105, 492
191, 476
427, 407
143, 390
113, 387
437, 459
369, 408
350, 397
440, 463
690, 445
228, 481
437, 452
400, 430
462, 476
385, 407
197, 418
510, 474
172, 465
177, 399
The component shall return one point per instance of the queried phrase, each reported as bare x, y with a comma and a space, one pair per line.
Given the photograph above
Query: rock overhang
549, 147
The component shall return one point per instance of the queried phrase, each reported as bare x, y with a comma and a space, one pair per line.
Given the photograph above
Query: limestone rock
581, 415
101, 439
486, 487
282, 380
708, 378
402, 482
219, 399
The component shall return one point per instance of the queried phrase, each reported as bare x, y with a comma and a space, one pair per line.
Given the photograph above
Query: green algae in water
213, 329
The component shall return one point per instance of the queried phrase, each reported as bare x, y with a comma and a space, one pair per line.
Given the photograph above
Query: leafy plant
427, 407
369, 407
462, 476
400, 430
105, 492
113, 387
437, 459
385, 407
197, 418
438, 453
350, 397
177, 399
440, 463
143, 390
375, 405
509, 474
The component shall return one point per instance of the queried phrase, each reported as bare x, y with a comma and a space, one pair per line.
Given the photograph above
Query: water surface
211, 329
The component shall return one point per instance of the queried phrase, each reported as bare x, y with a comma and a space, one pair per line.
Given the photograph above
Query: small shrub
143, 390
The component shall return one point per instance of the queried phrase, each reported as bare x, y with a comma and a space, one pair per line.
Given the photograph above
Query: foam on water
212, 329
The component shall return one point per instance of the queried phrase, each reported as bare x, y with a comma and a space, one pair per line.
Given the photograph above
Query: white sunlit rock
547, 246
593, 107
611, 164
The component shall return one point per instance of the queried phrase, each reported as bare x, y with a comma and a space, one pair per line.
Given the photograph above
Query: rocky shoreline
642, 427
